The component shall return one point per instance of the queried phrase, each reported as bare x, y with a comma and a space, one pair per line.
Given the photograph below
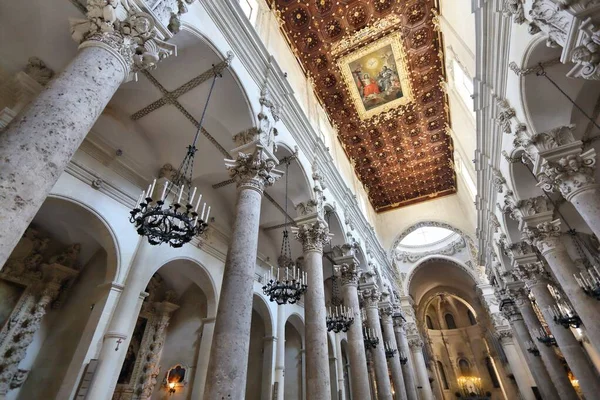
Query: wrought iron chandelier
370, 338
339, 319
390, 352
287, 285
178, 222
546, 338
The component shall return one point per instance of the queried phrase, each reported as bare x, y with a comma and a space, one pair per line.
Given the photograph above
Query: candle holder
371, 340
567, 320
287, 287
545, 338
531, 348
390, 352
339, 319
589, 282
403, 358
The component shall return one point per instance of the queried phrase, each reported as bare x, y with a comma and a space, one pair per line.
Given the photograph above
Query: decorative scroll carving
350, 273
313, 235
506, 113
554, 138
498, 180
515, 9
546, 236
371, 297
570, 174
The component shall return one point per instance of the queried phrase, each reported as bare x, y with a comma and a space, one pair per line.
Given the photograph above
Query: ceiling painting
377, 69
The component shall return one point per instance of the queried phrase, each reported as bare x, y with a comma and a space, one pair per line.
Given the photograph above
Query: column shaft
384, 389
517, 367
280, 353
587, 203
339, 363
553, 365
576, 358
394, 362
540, 375
359, 379
229, 353
317, 357
422, 375
38, 145
407, 368
586, 307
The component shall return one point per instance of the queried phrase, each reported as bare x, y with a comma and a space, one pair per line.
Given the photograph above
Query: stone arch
297, 321
260, 305
423, 224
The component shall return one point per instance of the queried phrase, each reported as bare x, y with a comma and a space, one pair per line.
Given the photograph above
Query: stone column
535, 364
371, 297
537, 280
312, 231
570, 171
408, 371
516, 365
356, 345
280, 352
553, 365
19, 338
547, 238
208, 328
339, 364
416, 347
252, 170
37, 146
393, 362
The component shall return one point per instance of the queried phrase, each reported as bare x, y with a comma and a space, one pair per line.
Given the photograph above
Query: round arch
422, 224
260, 305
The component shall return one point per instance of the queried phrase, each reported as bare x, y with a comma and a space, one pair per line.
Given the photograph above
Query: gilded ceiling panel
377, 68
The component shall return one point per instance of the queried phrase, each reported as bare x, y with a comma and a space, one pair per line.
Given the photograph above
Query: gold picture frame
377, 77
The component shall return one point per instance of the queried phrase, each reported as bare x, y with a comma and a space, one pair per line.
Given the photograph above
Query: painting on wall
10, 293
377, 77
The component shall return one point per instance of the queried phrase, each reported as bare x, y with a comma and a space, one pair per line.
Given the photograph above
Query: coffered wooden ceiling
377, 68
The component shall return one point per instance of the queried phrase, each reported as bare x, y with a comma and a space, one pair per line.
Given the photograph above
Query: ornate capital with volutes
504, 336
532, 273
386, 312
129, 29
254, 170
349, 273
416, 343
545, 236
371, 297
570, 175
313, 235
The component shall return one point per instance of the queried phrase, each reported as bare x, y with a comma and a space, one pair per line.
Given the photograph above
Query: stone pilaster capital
386, 312
349, 273
532, 273
371, 297
504, 336
136, 34
254, 167
313, 234
545, 236
508, 307
571, 174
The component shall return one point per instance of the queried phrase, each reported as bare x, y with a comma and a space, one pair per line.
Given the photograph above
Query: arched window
464, 367
429, 322
443, 375
450, 324
471, 317
492, 372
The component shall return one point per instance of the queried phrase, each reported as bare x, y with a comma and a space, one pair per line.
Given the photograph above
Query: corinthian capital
570, 174
371, 297
532, 273
312, 234
416, 343
255, 169
349, 273
546, 236
130, 29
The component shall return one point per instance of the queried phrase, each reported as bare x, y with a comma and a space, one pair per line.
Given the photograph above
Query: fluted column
535, 364
537, 280
557, 373
359, 380
371, 299
252, 170
37, 146
416, 347
393, 362
408, 370
547, 238
516, 365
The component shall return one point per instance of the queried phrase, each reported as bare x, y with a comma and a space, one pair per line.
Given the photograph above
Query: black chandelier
390, 352
370, 338
546, 338
177, 223
531, 348
287, 285
403, 358
568, 319
339, 319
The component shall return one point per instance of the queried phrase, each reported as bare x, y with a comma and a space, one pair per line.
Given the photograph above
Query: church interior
299, 199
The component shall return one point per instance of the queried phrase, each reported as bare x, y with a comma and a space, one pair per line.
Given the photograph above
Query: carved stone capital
505, 114
416, 344
546, 236
134, 33
385, 312
498, 180
313, 235
371, 297
515, 9
570, 175
254, 169
349, 273
532, 273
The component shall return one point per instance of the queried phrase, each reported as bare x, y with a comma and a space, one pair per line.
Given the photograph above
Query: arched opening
294, 353
444, 379
258, 358
450, 323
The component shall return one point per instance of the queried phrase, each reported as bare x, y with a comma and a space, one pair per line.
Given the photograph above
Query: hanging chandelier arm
212, 86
